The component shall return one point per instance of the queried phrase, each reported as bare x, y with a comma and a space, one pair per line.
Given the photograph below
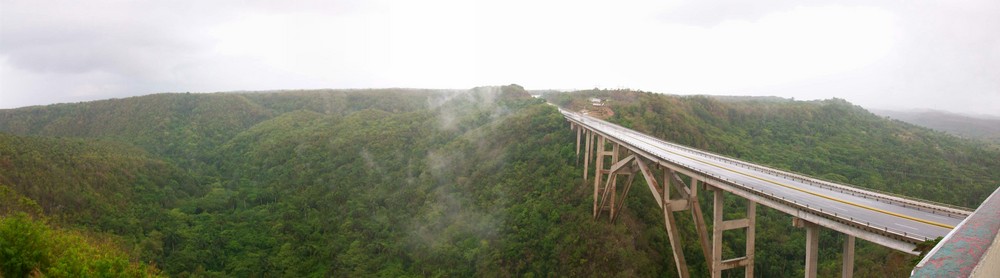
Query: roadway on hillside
915, 223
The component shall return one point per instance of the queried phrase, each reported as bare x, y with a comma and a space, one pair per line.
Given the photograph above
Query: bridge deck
912, 219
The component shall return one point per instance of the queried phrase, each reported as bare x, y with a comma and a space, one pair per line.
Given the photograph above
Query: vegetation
31, 247
976, 127
830, 139
480, 182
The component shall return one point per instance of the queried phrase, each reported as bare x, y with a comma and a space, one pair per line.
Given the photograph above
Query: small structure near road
596, 102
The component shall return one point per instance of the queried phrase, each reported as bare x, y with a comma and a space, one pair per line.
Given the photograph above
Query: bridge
676, 174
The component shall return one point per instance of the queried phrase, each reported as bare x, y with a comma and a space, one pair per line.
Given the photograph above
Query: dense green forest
30, 245
395, 182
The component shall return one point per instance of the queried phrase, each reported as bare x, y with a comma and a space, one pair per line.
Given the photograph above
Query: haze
942, 55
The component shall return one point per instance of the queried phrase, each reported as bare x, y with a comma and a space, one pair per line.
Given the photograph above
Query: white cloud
739, 56
881, 54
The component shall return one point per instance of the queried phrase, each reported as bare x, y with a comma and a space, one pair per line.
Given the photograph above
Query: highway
913, 219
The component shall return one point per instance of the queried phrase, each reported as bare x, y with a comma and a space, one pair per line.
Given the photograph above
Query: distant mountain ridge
973, 127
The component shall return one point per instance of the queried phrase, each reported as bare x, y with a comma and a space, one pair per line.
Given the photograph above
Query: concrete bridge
676, 175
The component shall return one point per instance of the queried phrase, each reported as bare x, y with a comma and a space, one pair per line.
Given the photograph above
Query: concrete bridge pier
847, 269
812, 249
720, 225
617, 162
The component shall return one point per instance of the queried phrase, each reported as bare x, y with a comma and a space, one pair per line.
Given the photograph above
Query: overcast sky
895, 54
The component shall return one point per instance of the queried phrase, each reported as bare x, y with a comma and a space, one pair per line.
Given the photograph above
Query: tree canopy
407, 183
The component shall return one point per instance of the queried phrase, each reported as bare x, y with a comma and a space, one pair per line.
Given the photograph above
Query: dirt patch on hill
600, 112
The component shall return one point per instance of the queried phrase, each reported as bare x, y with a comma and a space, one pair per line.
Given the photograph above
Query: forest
417, 183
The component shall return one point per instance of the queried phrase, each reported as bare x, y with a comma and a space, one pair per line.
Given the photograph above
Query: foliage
102, 184
29, 247
12, 202
830, 139
407, 183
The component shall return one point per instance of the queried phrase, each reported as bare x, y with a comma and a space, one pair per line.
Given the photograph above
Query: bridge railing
972, 249
882, 196
846, 220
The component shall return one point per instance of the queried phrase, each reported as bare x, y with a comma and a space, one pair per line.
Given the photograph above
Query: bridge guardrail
972, 249
882, 196
884, 230
887, 197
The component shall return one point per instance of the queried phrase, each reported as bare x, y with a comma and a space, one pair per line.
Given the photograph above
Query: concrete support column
586, 165
751, 235
717, 233
672, 231
812, 245
812, 249
598, 176
586, 157
699, 221
614, 152
848, 270
611, 177
628, 166
578, 131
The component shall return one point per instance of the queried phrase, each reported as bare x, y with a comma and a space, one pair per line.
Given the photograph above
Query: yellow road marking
814, 193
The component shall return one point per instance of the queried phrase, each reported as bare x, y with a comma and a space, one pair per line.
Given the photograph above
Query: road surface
856, 204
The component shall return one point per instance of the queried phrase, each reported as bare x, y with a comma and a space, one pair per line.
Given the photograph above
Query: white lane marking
901, 225
838, 208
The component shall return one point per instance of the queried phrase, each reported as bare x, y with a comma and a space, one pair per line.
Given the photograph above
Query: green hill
32, 247
401, 182
975, 127
105, 185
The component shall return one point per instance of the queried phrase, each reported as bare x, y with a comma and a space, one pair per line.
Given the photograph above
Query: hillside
341, 183
985, 128
105, 185
401, 182
830, 139
32, 247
